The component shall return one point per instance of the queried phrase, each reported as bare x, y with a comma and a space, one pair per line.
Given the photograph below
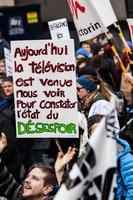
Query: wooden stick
58, 145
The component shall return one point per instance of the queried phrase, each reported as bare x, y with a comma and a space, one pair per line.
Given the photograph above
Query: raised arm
3, 142
62, 161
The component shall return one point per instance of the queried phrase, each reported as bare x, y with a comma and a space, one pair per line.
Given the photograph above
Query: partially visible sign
16, 25
105, 11
8, 62
84, 18
130, 25
59, 29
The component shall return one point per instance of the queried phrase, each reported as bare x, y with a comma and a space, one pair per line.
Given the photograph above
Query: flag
130, 25
85, 22
104, 11
91, 17
93, 176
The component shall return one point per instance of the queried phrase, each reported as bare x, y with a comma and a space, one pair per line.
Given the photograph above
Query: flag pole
121, 36
59, 146
110, 42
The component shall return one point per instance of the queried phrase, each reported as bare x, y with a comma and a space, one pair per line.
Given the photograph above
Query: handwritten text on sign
45, 88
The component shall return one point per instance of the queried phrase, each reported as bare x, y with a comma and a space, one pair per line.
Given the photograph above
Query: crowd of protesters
98, 79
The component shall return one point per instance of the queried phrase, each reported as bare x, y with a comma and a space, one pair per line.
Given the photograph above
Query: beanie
86, 83
83, 52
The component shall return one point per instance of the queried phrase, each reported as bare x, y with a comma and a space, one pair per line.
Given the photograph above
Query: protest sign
93, 176
8, 62
45, 88
59, 29
104, 11
84, 18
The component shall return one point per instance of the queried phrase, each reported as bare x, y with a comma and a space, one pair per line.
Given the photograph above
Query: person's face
8, 88
34, 187
81, 92
87, 47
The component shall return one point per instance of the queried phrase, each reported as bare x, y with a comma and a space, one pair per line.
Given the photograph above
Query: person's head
82, 53
86, 45
8, 86
97, 49
40, 182
87, 84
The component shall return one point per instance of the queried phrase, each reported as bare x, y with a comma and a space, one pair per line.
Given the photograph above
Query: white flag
104, 11
93, 176
85, 22
130, 25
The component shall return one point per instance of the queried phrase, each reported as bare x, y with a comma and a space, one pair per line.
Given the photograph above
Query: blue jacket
124, 184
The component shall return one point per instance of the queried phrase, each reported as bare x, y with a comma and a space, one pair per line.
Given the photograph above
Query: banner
59, 29
93, 175
130, 25
44, 74
104, 10
86, 23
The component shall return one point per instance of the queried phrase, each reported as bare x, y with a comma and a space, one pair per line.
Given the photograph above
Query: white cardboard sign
84, 18
45, 88
59, 29
104, 10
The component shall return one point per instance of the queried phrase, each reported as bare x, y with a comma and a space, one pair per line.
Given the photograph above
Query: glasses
79, 88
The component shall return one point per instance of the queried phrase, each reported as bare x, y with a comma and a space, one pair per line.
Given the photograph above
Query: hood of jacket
122, 147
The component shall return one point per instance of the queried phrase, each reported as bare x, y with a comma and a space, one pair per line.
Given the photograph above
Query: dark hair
8, 78
93, 120
50, 177
103, 87
85, 42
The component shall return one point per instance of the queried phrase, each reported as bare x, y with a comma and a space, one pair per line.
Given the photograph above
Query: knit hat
86, 83
83, 52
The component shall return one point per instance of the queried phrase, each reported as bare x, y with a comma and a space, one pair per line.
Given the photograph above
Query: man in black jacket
40, 183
